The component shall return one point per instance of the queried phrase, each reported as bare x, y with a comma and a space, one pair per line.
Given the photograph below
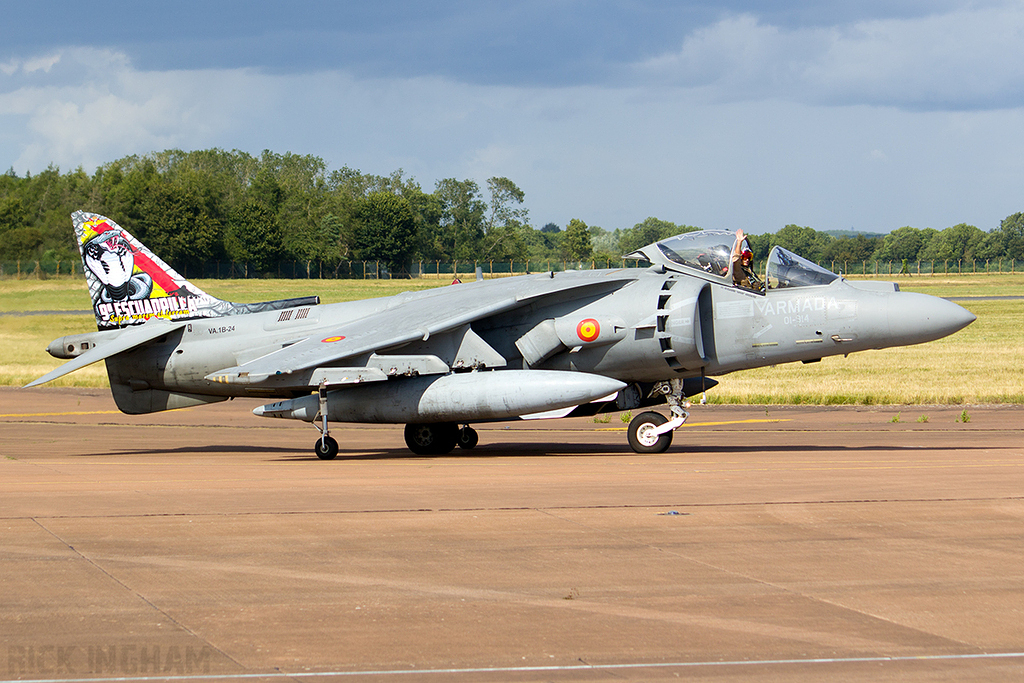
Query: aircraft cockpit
786, 269
710, 251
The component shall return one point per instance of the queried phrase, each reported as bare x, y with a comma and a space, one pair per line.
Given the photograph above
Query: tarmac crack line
95, 565
774, 586
652, 506
588, 606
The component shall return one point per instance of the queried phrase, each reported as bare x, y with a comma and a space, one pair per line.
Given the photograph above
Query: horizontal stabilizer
128, 339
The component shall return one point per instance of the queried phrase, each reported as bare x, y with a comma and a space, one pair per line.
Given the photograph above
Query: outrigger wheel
326, 448
468, 438
432, 439
641, 436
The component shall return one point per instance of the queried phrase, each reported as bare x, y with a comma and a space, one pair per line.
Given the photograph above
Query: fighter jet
541, 345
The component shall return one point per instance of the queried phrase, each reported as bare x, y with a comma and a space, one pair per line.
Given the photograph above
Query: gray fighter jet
532, 346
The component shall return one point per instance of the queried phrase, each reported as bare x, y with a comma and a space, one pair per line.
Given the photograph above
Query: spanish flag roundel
588, 330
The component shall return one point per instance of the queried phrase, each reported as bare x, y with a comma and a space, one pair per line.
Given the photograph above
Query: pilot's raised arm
740, 263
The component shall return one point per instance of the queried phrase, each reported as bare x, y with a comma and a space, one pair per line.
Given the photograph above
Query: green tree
21, 243
1012, 229
855, 249
901, 243
805, 241
649, 231
12, 213
175, 224
253, 237
319, 242
1006, 241
576, 243
461, 227
385, 230
506, 225
954, 243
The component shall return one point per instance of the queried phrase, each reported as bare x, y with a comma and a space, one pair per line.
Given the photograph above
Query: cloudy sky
864, 114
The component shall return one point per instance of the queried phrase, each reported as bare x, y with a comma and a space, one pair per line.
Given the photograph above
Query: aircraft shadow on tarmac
534, 450
519, 450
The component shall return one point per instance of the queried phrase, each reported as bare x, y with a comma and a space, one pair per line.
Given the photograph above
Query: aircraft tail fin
129, 284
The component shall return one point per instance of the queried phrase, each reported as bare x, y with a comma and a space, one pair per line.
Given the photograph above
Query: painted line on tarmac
19, 314
699, 424
78, 412
534, 669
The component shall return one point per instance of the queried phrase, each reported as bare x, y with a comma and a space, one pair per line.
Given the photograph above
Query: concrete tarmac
789, 544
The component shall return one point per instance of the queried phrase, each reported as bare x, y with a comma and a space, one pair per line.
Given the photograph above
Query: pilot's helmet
746, 254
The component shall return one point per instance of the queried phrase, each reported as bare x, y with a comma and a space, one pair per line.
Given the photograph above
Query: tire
326, 448
431, 439
468, 438
640, 441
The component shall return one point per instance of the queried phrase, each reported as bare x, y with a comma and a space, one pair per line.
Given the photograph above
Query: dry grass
978, 284
24, 340
983, 363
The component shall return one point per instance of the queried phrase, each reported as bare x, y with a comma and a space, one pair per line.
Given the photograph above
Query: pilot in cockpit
742, 265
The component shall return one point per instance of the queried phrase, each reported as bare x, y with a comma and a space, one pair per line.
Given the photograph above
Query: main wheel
326, 448
641, 439
431, 439
468, 438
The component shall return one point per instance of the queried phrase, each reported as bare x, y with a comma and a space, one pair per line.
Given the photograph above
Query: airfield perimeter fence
378, 270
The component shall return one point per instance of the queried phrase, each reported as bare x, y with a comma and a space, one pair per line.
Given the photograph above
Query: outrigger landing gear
468, 438
326, 448
651, 432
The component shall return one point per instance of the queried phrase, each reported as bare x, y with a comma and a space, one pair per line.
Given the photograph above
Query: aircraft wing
410, 317
128, 339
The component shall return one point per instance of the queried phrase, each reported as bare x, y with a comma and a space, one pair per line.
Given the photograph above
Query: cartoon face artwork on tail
128, 283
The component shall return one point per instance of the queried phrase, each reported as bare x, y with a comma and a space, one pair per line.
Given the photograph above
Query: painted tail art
129, 284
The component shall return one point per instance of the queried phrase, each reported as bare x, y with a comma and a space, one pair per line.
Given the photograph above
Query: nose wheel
644, 435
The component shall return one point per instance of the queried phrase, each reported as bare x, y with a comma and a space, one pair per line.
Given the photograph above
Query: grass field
981, 364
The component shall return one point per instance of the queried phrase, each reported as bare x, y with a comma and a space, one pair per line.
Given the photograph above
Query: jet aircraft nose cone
917, 318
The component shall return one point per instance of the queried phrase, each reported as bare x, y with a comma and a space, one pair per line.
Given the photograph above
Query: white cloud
41, 63
610, 156
971, 58
86, 106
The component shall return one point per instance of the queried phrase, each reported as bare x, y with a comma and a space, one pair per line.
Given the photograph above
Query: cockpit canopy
710, 252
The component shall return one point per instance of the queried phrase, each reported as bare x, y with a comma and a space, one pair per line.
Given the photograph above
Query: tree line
194, 207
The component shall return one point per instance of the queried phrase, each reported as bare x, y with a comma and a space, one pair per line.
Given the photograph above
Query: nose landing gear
651, 432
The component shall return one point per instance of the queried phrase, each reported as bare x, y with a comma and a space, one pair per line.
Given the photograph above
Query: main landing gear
439, 438
651, 432
422, 439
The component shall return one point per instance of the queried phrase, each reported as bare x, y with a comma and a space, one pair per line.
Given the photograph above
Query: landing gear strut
326, 448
